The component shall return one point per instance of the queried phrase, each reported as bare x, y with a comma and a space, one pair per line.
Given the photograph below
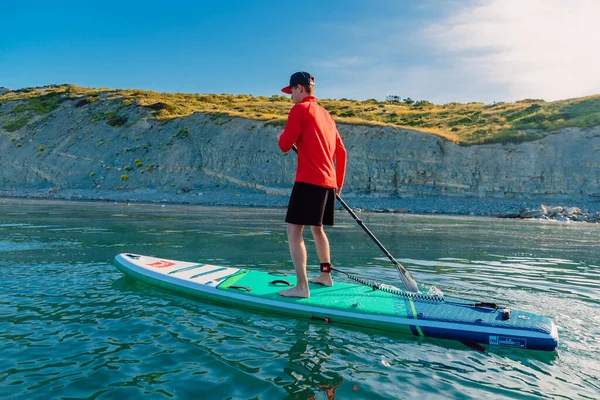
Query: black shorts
310, 205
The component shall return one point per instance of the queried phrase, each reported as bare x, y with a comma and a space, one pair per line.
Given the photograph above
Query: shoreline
236, 197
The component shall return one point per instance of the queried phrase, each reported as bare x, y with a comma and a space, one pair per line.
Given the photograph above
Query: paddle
409, 282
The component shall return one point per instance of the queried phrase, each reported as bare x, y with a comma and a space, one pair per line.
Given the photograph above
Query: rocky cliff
108, 147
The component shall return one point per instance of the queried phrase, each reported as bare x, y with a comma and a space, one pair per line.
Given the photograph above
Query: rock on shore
558, 213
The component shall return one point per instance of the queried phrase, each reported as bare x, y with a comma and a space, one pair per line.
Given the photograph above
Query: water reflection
306, 367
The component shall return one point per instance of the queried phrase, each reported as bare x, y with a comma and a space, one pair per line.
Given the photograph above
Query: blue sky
441, 51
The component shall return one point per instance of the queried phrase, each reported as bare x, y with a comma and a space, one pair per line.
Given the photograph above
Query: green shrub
182, 133
40, 105
97, 117
160, 106
16, 124
422, 103
117, 121
88, 100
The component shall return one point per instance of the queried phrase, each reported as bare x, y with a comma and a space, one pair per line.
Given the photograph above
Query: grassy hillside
465, 124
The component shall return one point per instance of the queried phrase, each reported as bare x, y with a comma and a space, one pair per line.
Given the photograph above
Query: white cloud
486, 50
524, 48
376, 62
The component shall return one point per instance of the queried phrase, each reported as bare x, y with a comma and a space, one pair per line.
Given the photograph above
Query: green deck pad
341, 296
232, 279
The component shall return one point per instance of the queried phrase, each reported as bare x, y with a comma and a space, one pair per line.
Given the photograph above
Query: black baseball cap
299, 78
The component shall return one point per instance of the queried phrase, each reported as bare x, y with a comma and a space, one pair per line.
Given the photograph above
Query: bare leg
298, 253
322, 244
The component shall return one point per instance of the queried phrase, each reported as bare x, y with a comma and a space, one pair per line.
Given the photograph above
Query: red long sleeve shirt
321, 153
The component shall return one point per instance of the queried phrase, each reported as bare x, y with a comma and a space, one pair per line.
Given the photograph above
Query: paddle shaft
362, 225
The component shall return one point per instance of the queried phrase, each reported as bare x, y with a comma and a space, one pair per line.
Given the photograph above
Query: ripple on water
76, 328
31, 245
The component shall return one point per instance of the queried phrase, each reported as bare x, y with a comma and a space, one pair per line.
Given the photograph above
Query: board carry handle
275, 282
278, 273
246, 288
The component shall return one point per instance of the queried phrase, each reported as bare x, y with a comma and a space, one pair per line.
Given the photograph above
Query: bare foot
323, 279
295, 292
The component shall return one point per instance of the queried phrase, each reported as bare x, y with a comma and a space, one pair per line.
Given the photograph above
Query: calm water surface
73, 327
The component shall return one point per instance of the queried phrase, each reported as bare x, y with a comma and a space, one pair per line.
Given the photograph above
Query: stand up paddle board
380, 307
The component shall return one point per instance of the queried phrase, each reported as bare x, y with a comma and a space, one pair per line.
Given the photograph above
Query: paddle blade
409, 282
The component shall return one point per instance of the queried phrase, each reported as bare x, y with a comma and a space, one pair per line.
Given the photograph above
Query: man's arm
340, 162
292, 130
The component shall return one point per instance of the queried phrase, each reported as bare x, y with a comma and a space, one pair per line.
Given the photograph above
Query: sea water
73, 327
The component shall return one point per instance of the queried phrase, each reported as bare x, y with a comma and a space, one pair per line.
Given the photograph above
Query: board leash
415, 296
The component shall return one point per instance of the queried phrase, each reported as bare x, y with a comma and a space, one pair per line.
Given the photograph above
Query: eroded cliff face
563, 165
76, 148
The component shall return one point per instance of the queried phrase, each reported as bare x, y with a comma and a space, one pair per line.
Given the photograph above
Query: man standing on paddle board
320, 175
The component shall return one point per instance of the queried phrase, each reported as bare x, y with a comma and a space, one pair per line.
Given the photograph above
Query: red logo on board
161, 264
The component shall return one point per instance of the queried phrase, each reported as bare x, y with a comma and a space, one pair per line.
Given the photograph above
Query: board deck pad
347, 303
341, 296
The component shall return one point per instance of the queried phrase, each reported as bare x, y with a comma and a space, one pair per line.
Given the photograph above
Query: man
320, 174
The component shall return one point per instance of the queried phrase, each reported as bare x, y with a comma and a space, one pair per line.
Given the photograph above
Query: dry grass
465, 124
